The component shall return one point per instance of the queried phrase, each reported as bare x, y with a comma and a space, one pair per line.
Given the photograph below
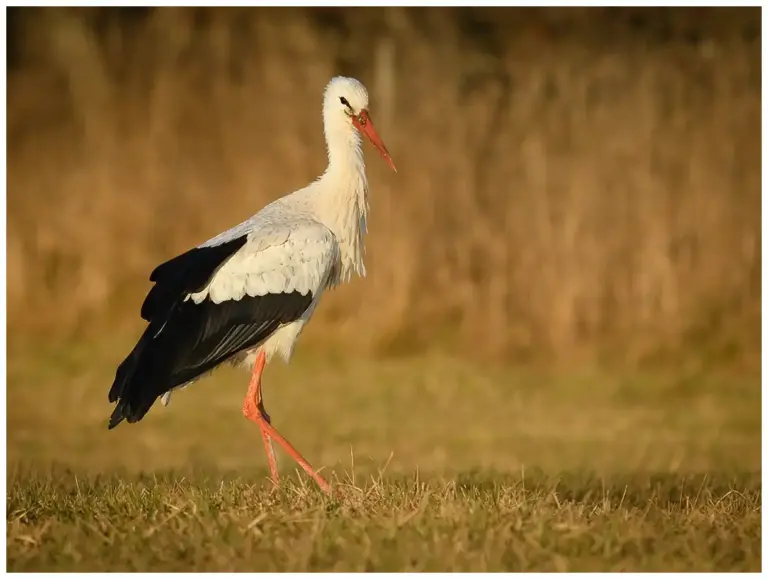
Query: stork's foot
252, 412
256, 413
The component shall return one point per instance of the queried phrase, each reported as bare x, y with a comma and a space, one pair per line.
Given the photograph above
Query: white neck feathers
342, 200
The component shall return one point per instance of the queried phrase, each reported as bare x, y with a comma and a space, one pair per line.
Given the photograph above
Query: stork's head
346, 106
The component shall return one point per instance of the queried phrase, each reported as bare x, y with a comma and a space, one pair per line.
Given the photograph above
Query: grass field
446, 466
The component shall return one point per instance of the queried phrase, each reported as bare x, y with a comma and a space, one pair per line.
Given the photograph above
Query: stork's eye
345, 102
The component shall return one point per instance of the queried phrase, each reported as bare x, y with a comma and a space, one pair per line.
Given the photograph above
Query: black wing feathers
183, 339
201, 336
186, 273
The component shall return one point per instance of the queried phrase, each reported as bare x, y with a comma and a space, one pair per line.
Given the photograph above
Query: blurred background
577, 189
575, 184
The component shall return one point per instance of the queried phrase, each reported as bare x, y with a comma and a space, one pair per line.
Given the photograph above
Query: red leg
253, 409
253, 399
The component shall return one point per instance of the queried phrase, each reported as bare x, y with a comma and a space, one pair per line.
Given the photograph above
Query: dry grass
446, 466
574, 186
482, 523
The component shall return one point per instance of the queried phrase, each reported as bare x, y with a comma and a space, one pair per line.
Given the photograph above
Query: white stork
246, 294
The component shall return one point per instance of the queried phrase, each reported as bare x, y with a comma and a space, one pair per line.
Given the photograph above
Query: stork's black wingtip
116, 418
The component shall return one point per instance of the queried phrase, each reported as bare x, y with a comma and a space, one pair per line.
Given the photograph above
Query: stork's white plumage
246, 294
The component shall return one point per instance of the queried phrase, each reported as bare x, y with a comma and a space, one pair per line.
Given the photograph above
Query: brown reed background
576, 186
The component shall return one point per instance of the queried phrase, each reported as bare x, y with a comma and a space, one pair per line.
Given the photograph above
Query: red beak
364, 124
